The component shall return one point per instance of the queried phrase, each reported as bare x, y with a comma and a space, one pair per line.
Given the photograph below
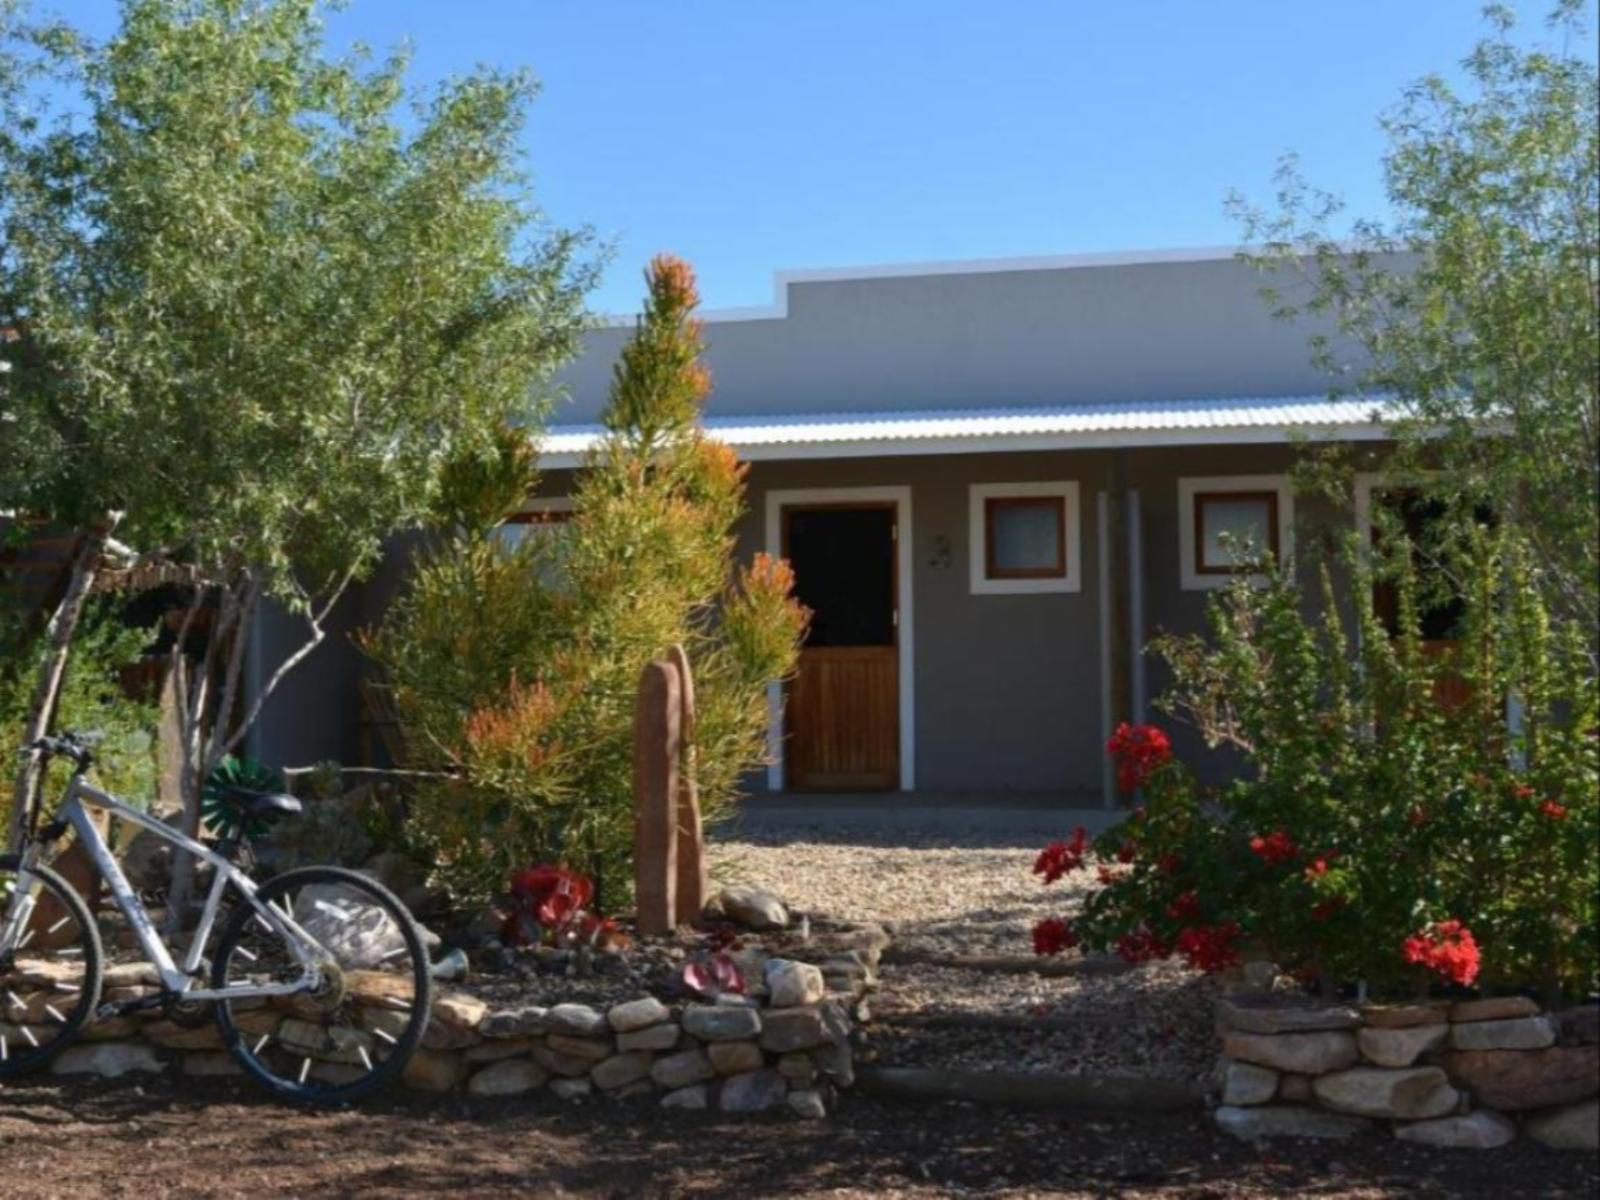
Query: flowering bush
1379, 833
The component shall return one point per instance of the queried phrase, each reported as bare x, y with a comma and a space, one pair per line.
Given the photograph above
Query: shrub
1408, 818
515, 669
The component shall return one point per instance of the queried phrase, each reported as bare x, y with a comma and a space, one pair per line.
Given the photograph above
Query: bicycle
319, 983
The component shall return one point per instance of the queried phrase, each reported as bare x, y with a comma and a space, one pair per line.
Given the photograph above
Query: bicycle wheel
358, 1030
50, 978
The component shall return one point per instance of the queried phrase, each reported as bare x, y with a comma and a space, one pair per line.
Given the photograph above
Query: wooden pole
47, 690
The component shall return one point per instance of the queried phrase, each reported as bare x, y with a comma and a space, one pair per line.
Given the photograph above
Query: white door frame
900, 497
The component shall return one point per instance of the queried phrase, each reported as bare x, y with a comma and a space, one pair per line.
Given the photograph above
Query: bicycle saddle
261, 804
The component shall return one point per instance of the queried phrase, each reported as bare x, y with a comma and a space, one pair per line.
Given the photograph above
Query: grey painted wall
1154, 331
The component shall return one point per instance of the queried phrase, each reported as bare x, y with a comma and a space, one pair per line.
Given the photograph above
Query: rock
513, 1022
571, 1089
359, 933
1302, 1053
566, 1065
497, 1050
1404, 1016
798, 1069
673, 1071
106, 1059
787, 1029
1296, 1088
718, 1023
1578, 1026
169, 1035
453, 967
1412, 1093
592, 1049
210, 1064
430, 1071
108, 1031
1572, 1127
753, 1092
1400, 1047
575, 1020
1514, 1080
139, 974
441, 1035
806, 1103
620, 1070
1282, 1012
1493, 1008
791, 984
637, 1014
1286, 1120
753, 907
734, 1058
1516, 1033
641, 1087
1246, 1083
657, 1037
1481, 1130
692, 1098
510, 1077
1259, 975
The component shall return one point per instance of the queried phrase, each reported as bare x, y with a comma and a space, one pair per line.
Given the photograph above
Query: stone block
637, 1014
1400, 1047
1301, 1053
734, 1058
575, 1020
432, 1071
788, 1029
680, 1070
509, 1077
1245, 1083
1514, 1033
1412, 1093
720, 1023
1404, 1016
792, 984
753, 1092
592, 1049
1515, 1080
657, 1037
1481, 1130
620, 1070
1280, 1012
1493, 1008
807, 1104
693, 1098
1570, 1127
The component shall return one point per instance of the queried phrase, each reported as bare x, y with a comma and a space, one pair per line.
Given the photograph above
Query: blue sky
750, 137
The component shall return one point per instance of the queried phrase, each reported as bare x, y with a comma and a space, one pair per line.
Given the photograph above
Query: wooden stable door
843, 711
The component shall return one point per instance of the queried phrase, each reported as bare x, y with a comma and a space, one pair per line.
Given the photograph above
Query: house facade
995, 481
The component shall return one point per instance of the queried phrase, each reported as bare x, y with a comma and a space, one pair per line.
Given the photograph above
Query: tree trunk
47, 691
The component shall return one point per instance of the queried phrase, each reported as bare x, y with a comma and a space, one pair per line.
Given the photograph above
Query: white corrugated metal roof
978, 430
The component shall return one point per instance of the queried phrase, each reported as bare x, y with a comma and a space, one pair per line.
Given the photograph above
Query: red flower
1141, 946
1209, 948
1185, 908
1058, 858
1319, 866
546, 898
1107, 876
1556, 812
1447, 948
1417, 817
1053, 935
1276, 847
1139, 751
1168, 864
1522, 791
1127, 852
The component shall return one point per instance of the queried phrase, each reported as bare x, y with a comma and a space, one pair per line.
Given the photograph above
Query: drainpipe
1136, 635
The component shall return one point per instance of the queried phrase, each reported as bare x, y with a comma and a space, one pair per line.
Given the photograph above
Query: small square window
1234, 532
1025, 537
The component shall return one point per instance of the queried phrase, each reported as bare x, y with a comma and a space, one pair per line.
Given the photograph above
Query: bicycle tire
14, 1063
400, 1049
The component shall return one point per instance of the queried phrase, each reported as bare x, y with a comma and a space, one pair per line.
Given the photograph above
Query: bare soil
167, 1137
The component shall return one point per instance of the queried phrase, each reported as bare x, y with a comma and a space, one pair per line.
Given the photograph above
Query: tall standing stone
658, 712
693, 882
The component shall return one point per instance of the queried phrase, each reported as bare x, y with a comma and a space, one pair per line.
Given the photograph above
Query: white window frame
978, 495
1193, 580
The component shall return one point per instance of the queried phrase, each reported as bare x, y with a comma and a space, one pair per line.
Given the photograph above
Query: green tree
1478, 303
262, 301
515, 669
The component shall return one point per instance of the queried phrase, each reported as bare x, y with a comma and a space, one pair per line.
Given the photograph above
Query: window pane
1026, 537
1235, 531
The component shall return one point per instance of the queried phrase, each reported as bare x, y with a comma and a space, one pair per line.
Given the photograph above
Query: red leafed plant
713, 976
549, 904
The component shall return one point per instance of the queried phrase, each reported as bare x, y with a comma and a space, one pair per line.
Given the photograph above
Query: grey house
995, 480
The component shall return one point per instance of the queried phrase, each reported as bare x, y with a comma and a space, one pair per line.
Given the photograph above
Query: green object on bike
221, 804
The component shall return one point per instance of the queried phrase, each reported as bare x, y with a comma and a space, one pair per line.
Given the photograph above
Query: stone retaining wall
1474, 1073
790, 1048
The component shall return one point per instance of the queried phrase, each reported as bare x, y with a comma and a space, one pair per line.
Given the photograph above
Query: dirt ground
163, 1138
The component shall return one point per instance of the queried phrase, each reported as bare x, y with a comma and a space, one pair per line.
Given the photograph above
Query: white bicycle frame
175, 979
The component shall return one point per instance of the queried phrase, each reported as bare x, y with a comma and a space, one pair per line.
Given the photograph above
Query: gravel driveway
975, 894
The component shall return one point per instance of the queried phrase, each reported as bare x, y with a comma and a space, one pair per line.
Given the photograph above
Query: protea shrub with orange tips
515, 669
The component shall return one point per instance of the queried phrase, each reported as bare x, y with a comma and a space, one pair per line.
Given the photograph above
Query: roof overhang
1002, 430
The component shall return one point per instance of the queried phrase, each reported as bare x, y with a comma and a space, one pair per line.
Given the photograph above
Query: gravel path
975, 894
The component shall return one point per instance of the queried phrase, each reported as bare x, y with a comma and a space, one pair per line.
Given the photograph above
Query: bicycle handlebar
79, 747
